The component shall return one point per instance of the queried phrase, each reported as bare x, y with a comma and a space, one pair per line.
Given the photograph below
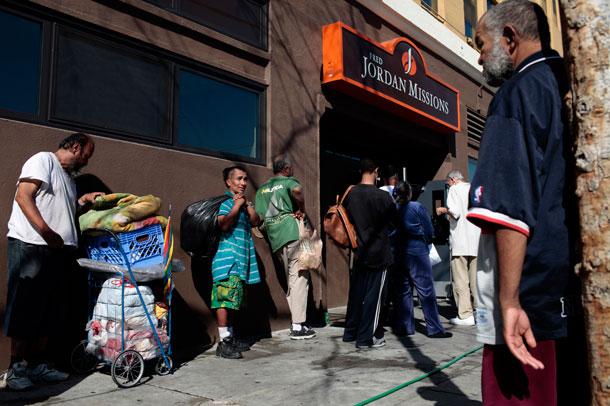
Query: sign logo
408, 62
478, 194
391, 76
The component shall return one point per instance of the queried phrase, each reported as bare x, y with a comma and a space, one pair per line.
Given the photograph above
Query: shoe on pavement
46, 373
239, 345
302, 334
15, 378
441, 335
468, 321
377, 343
226, 349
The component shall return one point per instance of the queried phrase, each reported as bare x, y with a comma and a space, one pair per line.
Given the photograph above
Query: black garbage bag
199, 232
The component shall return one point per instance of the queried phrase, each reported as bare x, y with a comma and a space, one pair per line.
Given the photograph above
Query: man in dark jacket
370, 210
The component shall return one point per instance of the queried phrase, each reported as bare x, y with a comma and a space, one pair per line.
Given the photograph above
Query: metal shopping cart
127, 325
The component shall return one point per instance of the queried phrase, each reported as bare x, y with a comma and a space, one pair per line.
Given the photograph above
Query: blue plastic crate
143, 247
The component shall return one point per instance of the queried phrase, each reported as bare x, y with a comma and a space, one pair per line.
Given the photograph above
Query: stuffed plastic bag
434, 257
310, 247
199, 232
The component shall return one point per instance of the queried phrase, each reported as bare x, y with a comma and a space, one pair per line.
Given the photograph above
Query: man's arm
25, 199
511, 245
226, 221
299, 198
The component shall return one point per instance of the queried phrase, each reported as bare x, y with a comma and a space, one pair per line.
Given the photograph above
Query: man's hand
511, 246
239, 199
52, 239
441, 210
89, 198
299, 215
516, 328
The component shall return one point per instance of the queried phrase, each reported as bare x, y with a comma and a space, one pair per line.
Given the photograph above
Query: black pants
367, 292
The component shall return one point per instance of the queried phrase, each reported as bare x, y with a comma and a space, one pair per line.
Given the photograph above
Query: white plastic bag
434, 257
310, 247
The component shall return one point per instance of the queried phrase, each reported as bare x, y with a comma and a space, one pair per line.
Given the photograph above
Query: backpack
337, 225
199, 232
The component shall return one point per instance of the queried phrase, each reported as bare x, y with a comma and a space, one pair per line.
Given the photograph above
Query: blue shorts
34, 300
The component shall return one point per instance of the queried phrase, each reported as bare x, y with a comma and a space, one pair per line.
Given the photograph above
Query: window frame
53, 22
264, 4
232, 80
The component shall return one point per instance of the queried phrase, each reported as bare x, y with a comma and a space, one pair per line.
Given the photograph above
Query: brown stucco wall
295, 104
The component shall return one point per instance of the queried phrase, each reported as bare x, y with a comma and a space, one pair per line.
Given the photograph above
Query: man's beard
498, 67
73, 170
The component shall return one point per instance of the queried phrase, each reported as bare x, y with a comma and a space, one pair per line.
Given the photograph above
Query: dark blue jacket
413, 231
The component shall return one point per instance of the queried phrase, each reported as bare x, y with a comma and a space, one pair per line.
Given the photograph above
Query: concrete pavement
278, 371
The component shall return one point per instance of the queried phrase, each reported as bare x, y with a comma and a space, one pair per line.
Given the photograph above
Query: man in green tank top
280, 201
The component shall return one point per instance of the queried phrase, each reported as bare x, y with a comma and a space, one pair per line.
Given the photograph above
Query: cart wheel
82, 362
127, 369
161, 367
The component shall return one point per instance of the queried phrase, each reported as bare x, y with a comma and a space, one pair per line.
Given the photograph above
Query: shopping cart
127, 325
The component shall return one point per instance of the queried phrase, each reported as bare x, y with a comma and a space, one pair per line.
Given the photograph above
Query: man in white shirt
464, 239
41, 234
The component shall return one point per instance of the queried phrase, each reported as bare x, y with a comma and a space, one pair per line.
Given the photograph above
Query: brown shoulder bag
337, 224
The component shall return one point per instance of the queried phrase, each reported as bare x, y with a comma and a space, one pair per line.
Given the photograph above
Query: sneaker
441, 335
377, 343
226, 349
15, 378
468, 321
239, 345
302, 334
46, 373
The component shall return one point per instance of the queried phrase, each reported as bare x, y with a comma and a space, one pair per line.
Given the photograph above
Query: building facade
174, 91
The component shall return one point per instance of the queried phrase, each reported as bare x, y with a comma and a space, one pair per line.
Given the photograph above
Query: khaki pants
464, 271
298, 281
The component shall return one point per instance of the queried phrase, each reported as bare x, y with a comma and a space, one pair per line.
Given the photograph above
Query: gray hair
457, 175
526, 17
280, 162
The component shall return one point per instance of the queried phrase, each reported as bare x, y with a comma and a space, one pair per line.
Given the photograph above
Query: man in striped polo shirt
234, 264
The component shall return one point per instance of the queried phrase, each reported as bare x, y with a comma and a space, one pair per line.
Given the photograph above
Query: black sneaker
302, 334
239, 345
441, 335
226, 349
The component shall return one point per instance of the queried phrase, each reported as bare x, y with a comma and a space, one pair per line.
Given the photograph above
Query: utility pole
587, 48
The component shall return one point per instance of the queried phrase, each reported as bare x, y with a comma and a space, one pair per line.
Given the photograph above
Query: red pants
505, 381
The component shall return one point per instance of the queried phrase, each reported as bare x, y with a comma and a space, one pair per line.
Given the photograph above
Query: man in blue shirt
518, 199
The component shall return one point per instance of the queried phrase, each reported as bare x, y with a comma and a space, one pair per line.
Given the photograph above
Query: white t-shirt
464, 234
389, 189
55, 199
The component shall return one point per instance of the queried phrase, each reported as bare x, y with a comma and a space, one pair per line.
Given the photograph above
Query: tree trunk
587, 48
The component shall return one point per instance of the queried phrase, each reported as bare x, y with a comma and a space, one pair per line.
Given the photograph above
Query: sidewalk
278, 371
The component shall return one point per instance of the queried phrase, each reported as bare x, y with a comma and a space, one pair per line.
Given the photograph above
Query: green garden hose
404, 385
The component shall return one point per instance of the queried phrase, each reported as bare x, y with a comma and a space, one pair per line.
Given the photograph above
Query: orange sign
392, 76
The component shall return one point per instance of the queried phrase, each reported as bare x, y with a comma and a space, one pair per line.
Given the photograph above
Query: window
472, 167
218, 116
470, 18
21, 48
245, 20
90, 80
430, 5
110, 87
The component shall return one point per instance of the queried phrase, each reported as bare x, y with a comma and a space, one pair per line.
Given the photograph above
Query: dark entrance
353, 131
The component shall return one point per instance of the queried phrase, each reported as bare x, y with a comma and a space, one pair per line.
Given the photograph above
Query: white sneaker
46, 374
14, 380
468, 321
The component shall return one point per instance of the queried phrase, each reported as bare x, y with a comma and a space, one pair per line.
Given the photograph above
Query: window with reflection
111, 87
20, 47
218, 116
245, 20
